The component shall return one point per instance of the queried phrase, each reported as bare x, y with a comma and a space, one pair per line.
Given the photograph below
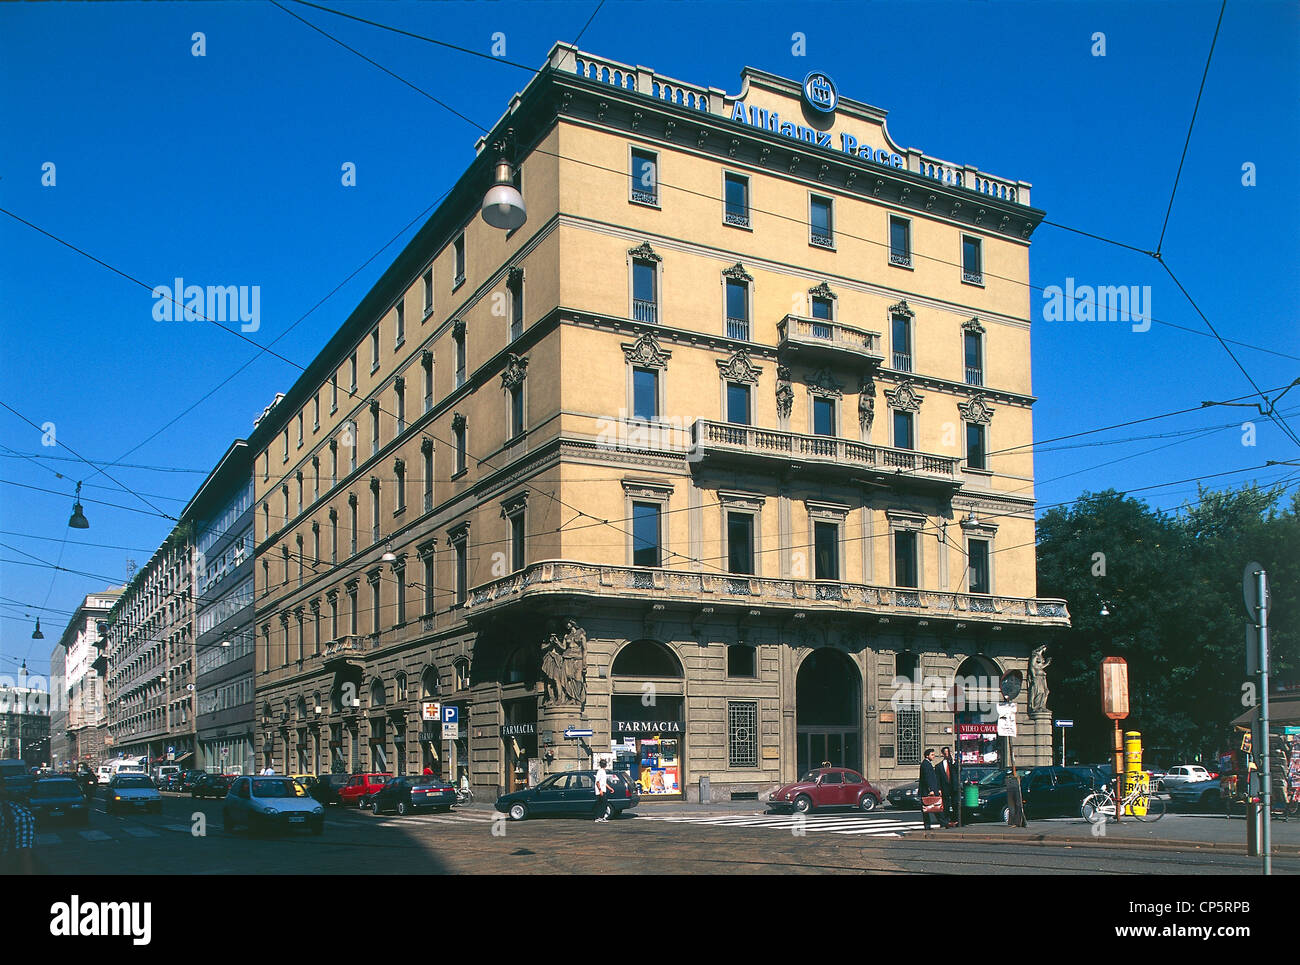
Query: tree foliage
1171, 583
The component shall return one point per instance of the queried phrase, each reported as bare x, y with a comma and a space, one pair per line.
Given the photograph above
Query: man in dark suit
929, 784
947, 786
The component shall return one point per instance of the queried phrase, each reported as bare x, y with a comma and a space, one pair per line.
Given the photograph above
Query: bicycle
1140, 803
464, 795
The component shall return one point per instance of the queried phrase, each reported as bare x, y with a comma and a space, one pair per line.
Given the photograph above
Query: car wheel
361, 804
518, 811
402, 808
868, 803
803, 804
1006, 814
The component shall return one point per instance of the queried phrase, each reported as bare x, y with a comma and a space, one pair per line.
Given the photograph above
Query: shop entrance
519, 740
828, 719
975, 715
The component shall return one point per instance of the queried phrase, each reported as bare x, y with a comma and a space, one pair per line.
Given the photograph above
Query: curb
1045, 840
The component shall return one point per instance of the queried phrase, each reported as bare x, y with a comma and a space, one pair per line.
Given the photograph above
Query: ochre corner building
729, 436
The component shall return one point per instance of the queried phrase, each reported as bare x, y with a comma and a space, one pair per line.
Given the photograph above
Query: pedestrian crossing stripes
454, 817
812, 823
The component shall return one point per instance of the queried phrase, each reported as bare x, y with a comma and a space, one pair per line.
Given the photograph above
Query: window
334, 619
428, 293
903, 430
286, 445
374, 349
353, 506
334, 540
462, 571
905, 558
427, 453
823, 416
900, 242
741, 661
977, 552
374, 429
645, 177
902, 332
742, 733
300, 488
334, 393
645, 302
645, 534
428, 583
738, 403
516, 410
737, 309
458, 261
352, 607
399, 469
315, 418
972, 260
740, 543
909, 735
458, 337
820, 223
735, 209
400, 389
399, 575
976, 449
458, 430
375, 605
515, 286
426, 362
973, 351
821, 310
826, 551
645, 394
517, 541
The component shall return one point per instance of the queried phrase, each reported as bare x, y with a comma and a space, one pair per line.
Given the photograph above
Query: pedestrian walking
428, 770
17, 837
930, 791
948, 786
602, 792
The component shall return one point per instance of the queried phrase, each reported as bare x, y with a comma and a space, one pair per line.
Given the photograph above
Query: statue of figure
784, 392
1038, 664
866, 403
552, 668
575, 663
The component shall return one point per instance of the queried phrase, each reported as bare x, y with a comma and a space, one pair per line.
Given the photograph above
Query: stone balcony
732, 444
814, 339
764, 597
347, 650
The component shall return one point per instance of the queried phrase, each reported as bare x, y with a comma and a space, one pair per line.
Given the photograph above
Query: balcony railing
740, 218
636, 585
900, 258
644, 197
903, 361
345, 646
645, 311
821, 240
821, 336
725, 440
974, 375
738, 328
974, 277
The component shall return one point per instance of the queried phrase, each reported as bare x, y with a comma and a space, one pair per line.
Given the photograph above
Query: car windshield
995, 779
427, 781
276, 788
132, 780
55, 788
809, 778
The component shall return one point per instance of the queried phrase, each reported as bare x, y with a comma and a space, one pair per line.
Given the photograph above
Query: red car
827, 787
356, 793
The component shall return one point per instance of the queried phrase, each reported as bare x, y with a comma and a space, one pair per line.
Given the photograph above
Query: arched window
521, 667
336, 699
301, 708
646, 658
461, 668
401, 686
315, 702
429, 683
378, 693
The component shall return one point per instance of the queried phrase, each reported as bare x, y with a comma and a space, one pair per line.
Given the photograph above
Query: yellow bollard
1134, 776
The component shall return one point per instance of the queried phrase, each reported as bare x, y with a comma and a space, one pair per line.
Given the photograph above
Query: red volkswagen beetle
826, 787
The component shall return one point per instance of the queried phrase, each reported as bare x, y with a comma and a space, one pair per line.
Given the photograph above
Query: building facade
222, 511
86, 724
149, 680
25, 722
58, 707
720, 466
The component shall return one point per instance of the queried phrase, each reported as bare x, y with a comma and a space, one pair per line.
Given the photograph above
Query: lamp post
503, 205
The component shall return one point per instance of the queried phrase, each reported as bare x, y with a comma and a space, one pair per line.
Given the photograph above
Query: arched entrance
649, 737
828, 711
975, 714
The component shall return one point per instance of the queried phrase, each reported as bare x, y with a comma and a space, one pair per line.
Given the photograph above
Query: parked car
55, 798
1046, 792
1196, 795
356, 792
1091, 775
406, 794
271, 804
326, 788
211, 786
190, 778
571, 793
17, 779
304, 781
827, 787
132, 791
1182, 774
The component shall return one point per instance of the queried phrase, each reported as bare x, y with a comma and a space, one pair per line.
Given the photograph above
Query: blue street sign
1065, 723
450, 715
570, 733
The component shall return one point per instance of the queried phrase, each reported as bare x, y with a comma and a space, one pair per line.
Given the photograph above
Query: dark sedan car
413, 793
572, 793
211, 785
189, 779
325, 788
908, 797
17, 778
1047, 792
58, 799
826, 787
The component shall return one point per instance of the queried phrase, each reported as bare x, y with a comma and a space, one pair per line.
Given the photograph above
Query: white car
271, 804
129, 791
1182, 775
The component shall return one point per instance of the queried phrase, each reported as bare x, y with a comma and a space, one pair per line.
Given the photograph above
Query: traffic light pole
1265, 769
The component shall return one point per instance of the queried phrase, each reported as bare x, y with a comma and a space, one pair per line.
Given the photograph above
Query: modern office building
86, 725
222, 511
720, 465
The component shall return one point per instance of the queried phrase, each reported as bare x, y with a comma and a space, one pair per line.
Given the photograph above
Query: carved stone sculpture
1038, 664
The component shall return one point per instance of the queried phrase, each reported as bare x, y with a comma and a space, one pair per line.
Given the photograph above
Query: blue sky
224, 169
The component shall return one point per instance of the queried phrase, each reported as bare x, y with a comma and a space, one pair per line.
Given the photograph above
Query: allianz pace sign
820, 97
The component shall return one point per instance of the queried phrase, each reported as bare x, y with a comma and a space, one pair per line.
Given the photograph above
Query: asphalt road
188, 838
